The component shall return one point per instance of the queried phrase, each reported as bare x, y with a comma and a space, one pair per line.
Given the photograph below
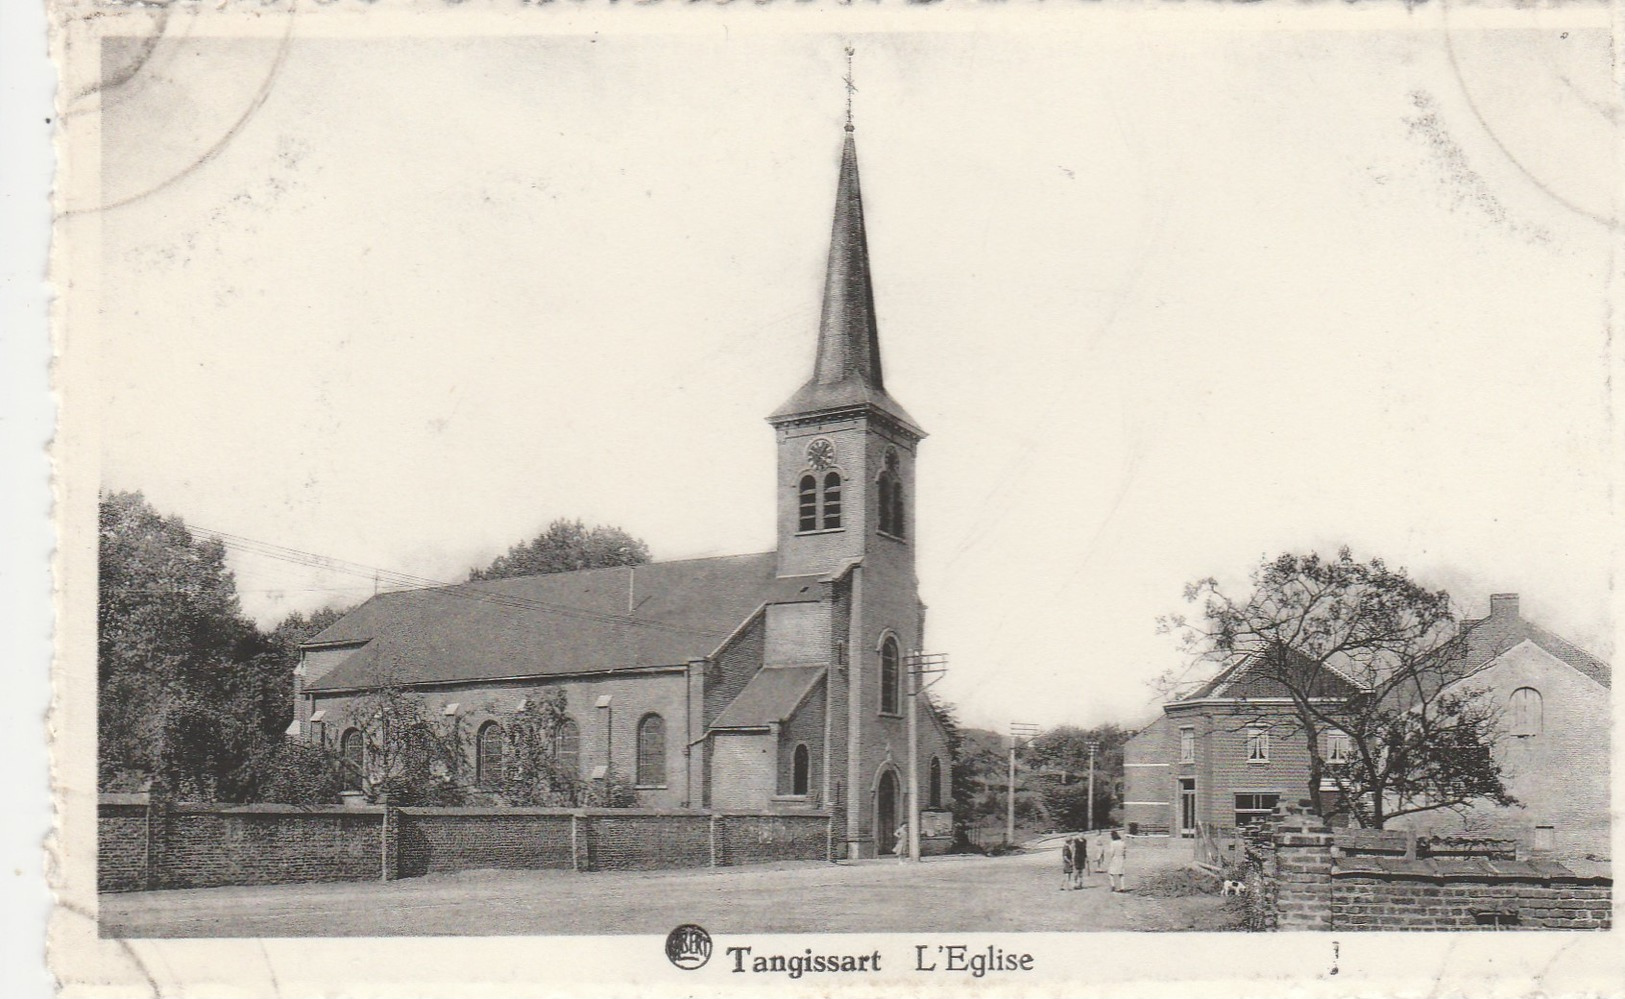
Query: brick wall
199, 846
121, 861
1302, 875
437, 840
205, 846
752, 839
618, 840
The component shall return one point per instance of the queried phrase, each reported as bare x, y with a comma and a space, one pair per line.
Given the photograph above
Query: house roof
1242, 680
771, 696
1488, 638
560, 623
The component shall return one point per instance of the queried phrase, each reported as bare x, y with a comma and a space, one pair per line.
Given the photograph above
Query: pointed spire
848, 339
847, 370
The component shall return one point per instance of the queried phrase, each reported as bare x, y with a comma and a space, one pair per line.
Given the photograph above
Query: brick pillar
1303, 871
157, 825
390, 847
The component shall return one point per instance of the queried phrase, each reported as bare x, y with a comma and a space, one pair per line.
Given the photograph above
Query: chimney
1504, 605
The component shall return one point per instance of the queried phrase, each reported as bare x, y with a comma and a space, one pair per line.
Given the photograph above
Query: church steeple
847, 371
848, 339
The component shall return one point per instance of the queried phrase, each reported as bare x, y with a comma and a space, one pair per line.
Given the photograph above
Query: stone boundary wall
1301, 875
143, 844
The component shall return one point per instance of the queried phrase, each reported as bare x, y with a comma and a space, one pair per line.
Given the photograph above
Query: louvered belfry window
808, 520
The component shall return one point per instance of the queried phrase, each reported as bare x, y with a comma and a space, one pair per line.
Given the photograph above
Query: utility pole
916, 665
1089, 822
1018, 731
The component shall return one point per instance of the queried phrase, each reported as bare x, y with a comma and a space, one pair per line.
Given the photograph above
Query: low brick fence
143, 844
1301, 875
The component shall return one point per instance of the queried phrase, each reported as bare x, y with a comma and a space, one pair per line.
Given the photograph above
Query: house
1226, 755
1223, 756
776, 681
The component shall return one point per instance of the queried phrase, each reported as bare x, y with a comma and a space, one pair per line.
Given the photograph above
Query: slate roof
1239, 681
1489, 638
772, 695
561, 623
847, 372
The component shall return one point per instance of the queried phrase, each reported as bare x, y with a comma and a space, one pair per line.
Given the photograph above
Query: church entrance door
886, 813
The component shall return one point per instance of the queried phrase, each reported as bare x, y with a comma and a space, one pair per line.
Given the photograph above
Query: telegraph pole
1089, 822
1018, 731
916, 665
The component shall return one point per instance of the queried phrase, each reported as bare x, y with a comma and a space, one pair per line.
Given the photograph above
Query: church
771, 682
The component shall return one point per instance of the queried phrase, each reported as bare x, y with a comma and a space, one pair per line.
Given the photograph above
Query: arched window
488, 756
935, 793
808, 515
884, 503
567, 747
351, 756
800, 770
891, 676
832, 500
1525, 711
652, 751
897, 521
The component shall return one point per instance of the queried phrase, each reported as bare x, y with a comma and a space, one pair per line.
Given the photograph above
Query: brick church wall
142, 844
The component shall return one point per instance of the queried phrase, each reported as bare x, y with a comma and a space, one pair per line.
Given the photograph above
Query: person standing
1068, 871
1097, 853
1114, 860
1080, 860
901, 847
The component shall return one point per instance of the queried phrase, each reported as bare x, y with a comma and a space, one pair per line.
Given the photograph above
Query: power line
399, 581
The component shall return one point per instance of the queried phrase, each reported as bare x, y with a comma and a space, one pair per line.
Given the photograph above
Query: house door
886, 813
1187, 806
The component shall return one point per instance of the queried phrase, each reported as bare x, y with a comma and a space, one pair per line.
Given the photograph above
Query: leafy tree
180, 684
409, 756
294, 772
1362, 650
565, 546
534, 773
1060, 761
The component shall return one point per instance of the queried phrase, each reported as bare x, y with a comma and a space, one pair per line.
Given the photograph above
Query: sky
1166, 302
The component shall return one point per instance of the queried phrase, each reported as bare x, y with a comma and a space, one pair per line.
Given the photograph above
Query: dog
1234, 888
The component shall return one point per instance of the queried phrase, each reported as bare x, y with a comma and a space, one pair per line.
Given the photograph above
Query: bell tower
846, 448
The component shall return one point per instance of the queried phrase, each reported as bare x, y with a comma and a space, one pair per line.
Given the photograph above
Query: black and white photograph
837, 501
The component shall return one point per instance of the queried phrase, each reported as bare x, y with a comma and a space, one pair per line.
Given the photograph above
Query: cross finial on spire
851, 88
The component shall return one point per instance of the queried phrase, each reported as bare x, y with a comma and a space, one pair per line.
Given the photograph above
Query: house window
1525, 712
488, 756
1258, 745
935, 793
1339, 747
567, 747
1254, 808
1187, 745
832, 501
800, 770
891, 676
652, 751
351, 756
808, 518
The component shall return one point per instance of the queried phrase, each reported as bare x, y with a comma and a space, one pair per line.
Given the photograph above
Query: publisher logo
688, 946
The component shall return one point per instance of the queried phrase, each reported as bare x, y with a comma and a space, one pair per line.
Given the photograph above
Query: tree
180, 690
1060, 759
537, 769
566, 545
409, 756
1365, 653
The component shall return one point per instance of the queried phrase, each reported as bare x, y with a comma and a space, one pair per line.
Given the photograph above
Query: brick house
1229, 753
774, 681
